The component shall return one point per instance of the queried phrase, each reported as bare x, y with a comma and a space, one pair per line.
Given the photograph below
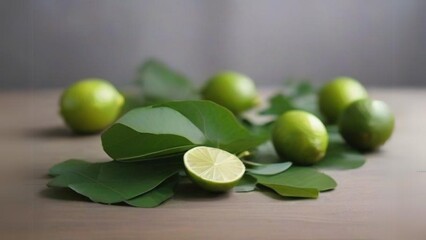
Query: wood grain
385, 199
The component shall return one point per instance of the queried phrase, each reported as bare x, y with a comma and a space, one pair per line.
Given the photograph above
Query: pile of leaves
147, 143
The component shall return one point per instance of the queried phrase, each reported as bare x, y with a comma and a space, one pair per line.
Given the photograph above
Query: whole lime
300, 137
232, 90
90, 105
366, 124
337, 94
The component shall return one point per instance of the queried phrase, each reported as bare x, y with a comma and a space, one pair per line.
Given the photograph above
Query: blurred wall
51, 43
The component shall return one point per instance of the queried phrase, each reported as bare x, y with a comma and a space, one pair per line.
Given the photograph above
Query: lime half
213, 169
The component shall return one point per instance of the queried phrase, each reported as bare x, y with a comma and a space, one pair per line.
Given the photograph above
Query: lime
232, 90
213, 169
336, 95
90, 105
300, 137
366, 124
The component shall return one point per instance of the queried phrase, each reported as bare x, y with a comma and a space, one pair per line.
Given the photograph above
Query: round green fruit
337, 94
300, 137
367, 124
90, 105
232, 90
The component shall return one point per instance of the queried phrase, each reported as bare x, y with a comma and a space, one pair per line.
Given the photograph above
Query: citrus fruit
300, 137
337, 94
90, 105
366, 124
213, 169
232, 90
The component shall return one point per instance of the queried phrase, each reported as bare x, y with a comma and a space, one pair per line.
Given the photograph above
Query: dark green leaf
303, 88
296, 96
156, 196
67, 166
265, 154
269, 169
173, 128
132, 100
246, 184
113, 182
341, 156
161, 83
278, 104
300, 177
334, 135
298, 88
288, 191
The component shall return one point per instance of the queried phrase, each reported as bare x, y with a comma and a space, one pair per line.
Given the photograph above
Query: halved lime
213, 169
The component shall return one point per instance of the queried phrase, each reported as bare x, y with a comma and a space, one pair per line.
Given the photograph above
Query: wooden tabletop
384, 199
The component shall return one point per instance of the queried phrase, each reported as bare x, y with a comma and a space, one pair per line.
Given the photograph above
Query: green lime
300, 137
366, 124
232, 90
337, 94
213, 169
90, 105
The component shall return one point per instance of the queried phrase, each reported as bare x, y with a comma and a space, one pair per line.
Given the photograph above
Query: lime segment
213, 169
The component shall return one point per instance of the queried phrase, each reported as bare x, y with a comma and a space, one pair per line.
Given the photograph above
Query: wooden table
385, 199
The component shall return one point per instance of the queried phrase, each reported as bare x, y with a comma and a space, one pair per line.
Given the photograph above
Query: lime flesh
232, 90
336, 95
213, 169
367, 124
90, 105
300, 137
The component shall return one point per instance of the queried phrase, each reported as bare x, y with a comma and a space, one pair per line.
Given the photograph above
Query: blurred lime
213, 169
337, 94
366, 124
300, 137
232, 90
90, 105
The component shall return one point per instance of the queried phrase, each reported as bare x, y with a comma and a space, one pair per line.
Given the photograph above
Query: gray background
48, 43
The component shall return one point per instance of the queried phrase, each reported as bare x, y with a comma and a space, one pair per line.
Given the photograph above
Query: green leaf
246, 184
298, 177
113, 182
132, 100
173, 128
341, 156
265, 154
156, 196
278, 104
269, 169
161, 83
67, 166
296, 96
297, 192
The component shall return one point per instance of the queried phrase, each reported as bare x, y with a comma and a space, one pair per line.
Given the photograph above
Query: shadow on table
62, 194
56, 132
190, 192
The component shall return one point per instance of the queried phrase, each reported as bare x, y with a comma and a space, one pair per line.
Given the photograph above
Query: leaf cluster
167, 118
